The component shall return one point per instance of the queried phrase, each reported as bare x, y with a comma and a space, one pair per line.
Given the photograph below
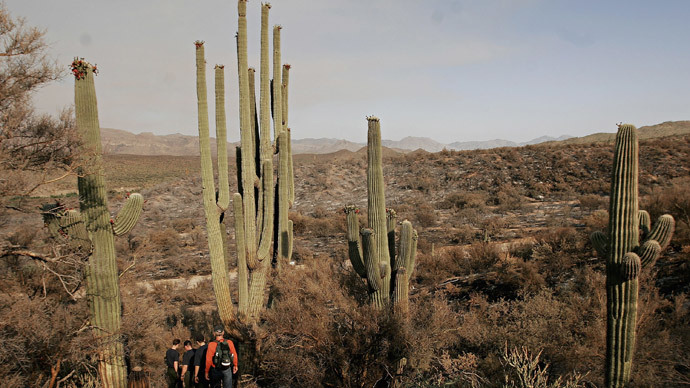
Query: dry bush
531, 372
181, 225
164, 241
326, 225
494, 226
150, 322
425, 215
465, 199
674, 200
318, 332
509, 197
569, 328
597, 221
593, 202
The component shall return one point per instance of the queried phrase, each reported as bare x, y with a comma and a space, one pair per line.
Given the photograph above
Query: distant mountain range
117, 141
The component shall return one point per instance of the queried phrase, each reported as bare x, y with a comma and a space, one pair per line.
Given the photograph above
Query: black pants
173, 378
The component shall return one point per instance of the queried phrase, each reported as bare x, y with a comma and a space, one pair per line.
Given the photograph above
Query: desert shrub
597, 221
181, 225
326, 225
525, 370
425, 215
493, 226
318, 334
23, 236
674, 200
592, 202
509, 197
465, 199
566, 327
165, 241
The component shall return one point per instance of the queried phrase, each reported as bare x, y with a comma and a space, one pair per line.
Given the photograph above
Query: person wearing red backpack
221, 360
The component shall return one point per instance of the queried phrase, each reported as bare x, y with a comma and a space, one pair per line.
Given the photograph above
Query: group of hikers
208, 366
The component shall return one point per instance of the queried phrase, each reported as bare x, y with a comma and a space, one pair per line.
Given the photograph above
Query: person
218, 376
187, 365
200, 362
172, 360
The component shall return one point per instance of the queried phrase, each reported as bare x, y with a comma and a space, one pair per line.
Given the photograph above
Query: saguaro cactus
625, 256
285, 190
372, 252
254, 205
93, 230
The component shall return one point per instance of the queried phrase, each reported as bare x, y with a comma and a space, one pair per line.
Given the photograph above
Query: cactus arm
391, 221
284, 93
630, 266
290, 240
265, 91
276, 85
291, 173
128, 215
662, 231
242, 268
219, 273
284, 97
401, 288
645, 222
254, 122
354, 242
371, 263
221, 145
268, 212
73, 225
648, 252
413, 254
600, 243
405, 247
283, 192
246, 135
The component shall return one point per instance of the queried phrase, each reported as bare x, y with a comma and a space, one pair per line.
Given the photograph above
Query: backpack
223, 357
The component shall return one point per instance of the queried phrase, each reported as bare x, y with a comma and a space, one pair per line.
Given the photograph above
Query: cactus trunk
103, 291
621, 291
625, 256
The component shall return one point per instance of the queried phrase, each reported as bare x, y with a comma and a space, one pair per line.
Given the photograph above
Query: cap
218, 330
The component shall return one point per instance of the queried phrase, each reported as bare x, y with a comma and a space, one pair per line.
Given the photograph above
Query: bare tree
35, 149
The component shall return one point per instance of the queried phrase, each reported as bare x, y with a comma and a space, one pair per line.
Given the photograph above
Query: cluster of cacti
625, 256
259, 207
372, 251
92, 229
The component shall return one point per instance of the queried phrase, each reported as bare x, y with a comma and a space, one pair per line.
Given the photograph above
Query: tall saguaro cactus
253, 205
625, 256
93, 230
372, 252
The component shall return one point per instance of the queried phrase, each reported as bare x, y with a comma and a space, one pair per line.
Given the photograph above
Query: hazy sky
452, 70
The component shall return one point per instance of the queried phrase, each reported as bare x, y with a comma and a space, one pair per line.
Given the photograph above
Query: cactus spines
372, 252
94, 222
625, 256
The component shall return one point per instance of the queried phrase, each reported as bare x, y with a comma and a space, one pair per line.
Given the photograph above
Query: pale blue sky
451, 70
